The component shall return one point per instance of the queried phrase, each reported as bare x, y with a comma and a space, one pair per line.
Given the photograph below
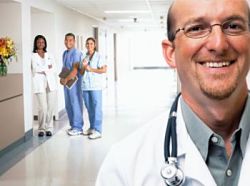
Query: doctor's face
214, 65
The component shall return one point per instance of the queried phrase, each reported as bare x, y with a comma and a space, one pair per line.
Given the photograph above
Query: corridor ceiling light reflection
127, 12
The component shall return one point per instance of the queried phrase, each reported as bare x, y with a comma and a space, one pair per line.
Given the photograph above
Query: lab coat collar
244, 173
194, 166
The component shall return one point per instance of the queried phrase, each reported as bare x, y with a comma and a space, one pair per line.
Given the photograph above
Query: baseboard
28, 135
35, 117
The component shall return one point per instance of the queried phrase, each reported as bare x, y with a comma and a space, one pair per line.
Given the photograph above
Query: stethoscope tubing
170, 172
171, 132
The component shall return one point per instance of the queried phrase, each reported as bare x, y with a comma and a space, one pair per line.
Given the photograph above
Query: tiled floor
73, 161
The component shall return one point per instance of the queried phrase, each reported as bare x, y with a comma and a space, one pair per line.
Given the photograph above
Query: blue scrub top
71, 57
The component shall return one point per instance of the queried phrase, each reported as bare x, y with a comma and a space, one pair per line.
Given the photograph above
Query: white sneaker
95, 135
88, 132
74, 132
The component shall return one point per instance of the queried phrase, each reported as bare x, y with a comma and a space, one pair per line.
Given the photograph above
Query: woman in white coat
208, 44
44, 85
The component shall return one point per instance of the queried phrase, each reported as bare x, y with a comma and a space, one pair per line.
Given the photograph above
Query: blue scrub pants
93, 103
74, 106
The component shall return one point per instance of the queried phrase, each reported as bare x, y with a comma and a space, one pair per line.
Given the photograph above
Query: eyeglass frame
210, 28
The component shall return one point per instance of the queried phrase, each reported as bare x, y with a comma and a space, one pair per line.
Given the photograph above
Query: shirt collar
245, 126
197, 130
200, 133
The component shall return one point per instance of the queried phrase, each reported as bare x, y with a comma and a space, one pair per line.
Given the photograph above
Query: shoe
67, 130
48, 133
74, 132
95, 135
40, 134
88, 132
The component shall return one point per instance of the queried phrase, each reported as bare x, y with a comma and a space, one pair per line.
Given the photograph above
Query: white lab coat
41, 81
138, 159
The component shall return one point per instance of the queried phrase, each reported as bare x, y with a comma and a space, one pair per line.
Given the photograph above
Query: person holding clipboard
71, 79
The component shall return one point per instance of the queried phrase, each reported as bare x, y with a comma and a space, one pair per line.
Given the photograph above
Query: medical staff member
73, 96
208, 44
44, 85
93, 68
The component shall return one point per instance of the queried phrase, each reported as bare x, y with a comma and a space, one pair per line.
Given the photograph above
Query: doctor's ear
168, 53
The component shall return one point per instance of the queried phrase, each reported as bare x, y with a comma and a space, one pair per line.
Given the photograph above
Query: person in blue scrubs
73, 96
93, 68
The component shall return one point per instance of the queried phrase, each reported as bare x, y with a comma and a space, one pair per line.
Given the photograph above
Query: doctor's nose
217, 40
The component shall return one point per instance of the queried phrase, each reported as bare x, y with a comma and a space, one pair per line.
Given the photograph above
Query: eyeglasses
200, 30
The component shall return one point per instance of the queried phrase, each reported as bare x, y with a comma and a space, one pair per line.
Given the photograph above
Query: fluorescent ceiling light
127, 12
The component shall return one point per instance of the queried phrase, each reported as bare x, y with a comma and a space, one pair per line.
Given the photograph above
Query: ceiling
124, 14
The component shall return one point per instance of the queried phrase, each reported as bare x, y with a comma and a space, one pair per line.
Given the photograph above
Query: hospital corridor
62, 160
137, 84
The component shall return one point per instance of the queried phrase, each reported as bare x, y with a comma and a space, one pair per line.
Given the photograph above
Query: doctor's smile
220, 65
216, 64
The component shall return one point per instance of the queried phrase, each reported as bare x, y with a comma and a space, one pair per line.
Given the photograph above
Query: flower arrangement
7, 50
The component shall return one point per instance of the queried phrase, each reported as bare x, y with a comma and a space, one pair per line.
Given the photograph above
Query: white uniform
41, 81
138, 159
44, 87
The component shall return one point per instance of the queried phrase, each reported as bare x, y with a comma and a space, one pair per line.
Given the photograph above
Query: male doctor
208, 44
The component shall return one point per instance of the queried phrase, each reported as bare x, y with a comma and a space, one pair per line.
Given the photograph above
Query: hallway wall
11, 26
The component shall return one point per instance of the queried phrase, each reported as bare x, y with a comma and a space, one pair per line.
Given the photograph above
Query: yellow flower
7, 49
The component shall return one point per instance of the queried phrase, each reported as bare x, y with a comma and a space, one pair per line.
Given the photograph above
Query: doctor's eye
196, 30
234, 27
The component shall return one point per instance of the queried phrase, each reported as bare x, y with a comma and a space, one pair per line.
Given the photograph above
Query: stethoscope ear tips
172, 175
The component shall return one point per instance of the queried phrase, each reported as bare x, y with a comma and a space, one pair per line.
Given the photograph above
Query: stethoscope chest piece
172, 175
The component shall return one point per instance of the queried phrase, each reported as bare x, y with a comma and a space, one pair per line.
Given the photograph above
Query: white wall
124, 57
138, 49
106, 49
11, 26
146, 49
43, 23
26, 58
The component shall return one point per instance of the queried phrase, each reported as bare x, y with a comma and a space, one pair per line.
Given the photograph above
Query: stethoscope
170, 172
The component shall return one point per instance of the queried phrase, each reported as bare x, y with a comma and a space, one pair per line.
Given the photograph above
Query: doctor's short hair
171, 21
35, 43
70, 34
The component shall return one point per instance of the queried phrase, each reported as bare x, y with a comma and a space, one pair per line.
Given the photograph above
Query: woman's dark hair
91, 39
35, 45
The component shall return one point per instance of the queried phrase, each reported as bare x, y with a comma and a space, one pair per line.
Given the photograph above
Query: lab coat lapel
194, 166
245, 173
